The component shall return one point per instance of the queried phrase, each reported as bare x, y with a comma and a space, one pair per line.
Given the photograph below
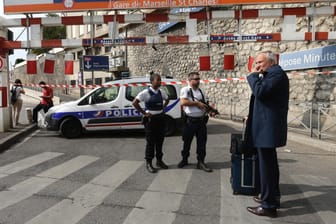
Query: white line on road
163, 198
26, 139
27, 163
318, 190
233, 207
88, 196
35, 184
229, 206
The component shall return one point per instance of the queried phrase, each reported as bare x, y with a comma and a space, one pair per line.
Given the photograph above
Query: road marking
160, 203
229, 205
233, 207
26, 139
317, 190
35, 184
88, 196
27, 163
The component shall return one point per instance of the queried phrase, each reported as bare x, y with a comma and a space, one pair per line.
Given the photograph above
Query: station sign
166, 25
95, 63
312, 58
40, 6
2, 63
231, 38
118, 41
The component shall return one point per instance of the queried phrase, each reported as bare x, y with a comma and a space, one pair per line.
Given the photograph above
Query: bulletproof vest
155, 101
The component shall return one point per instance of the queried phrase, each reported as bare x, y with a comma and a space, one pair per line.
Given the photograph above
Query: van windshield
132, 91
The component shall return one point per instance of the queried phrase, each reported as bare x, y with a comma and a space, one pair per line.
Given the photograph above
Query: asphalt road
101, 178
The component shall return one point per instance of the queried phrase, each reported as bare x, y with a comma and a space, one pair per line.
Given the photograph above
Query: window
88, 81
98, 81
101, 95
132, 91
73, 82
107, 79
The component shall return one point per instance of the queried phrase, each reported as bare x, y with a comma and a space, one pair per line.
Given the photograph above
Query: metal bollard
29, 115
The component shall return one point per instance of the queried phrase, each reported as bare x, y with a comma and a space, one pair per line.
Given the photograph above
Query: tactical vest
155, 101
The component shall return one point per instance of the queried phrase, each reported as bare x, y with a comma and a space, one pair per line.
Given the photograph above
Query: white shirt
18, 91
144, 96
192, 111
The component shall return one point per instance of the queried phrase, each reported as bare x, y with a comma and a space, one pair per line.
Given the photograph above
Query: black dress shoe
150, 167
161, 164
183, 163
203, 166
260, 211
257, 199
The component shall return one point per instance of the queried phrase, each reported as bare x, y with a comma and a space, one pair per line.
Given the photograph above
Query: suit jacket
267, 119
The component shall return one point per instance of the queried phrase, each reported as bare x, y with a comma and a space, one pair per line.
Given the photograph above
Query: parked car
109, 107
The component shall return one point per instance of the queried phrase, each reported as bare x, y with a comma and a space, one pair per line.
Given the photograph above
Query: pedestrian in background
17, 90
195, 107
153, 120
267, 127
46, 100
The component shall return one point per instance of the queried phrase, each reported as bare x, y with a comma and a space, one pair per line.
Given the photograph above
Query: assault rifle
211, 109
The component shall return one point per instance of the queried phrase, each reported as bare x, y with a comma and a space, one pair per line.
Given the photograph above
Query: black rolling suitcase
244, 167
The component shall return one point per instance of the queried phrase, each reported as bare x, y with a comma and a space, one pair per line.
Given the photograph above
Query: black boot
161, 164
202, 166
150, 167
183, 163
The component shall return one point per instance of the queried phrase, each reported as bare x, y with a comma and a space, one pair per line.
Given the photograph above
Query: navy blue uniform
154, 126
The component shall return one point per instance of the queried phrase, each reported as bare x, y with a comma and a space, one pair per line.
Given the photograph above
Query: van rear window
132, 91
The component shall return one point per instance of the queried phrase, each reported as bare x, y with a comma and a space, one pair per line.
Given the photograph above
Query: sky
18, 53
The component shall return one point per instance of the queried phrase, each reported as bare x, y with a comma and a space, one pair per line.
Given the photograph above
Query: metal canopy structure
214, 12
42, 6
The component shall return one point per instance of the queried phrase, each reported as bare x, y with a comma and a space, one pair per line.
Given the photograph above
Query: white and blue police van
109, 107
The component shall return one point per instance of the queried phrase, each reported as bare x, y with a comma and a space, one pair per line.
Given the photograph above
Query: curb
292, 136
302, 139
10, 140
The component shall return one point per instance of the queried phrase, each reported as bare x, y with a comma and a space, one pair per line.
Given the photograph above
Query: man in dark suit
267, 127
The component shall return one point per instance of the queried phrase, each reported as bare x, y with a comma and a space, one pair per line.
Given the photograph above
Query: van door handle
114, 106
128, 106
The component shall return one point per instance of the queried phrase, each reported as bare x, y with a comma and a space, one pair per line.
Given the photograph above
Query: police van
109, 107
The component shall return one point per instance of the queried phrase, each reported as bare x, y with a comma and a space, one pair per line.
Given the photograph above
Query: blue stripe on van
106, 113
171, 106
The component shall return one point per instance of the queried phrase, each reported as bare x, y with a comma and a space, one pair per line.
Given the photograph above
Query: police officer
193, 101
153, 119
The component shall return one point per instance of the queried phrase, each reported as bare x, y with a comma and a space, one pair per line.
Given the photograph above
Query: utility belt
145, 120
204, 118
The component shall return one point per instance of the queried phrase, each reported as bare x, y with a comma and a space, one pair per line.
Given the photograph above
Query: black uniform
154, 126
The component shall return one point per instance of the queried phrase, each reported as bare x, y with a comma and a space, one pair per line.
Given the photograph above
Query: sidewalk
13, 135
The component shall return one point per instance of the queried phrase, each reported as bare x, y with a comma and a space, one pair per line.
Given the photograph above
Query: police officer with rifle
196, 112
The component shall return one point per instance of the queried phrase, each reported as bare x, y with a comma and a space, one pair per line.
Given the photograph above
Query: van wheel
71, 128
170, 126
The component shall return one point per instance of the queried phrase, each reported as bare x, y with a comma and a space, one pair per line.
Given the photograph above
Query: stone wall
231, 98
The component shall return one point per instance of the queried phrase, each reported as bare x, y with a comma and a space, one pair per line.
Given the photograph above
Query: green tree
19, 60
50, 33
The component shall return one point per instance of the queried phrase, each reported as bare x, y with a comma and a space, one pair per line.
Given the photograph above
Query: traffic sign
95, 63
2, 63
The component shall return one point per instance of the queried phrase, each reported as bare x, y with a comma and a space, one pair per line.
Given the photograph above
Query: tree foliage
19, 60
50, 33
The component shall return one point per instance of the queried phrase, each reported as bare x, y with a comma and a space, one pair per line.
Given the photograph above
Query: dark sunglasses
196, 79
